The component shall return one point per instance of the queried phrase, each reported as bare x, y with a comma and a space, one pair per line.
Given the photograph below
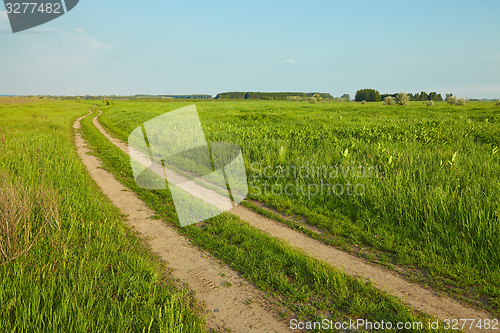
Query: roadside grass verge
304, 288
74, 266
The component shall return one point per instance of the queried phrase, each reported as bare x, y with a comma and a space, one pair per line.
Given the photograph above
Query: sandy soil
413, 294
208, 278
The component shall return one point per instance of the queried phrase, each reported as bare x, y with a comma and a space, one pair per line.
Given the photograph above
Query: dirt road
228, 305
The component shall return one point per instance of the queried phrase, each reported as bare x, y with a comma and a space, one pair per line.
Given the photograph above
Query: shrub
318, 97
347, 97
402, 99
313, 100
429, 103
389, 100
452, 100
461, 101
363, 102
498, 102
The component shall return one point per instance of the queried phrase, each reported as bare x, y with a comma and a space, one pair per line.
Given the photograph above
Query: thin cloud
88, 42
78, 29
289, 61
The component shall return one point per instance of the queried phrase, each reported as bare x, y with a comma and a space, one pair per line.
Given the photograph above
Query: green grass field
429, 203
301, 287
424, 181
67, 262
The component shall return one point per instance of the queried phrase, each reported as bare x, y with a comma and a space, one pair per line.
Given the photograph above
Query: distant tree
434, 96
374, 96
448, 96
318, 97
313, 100
452, 100
368, 95
402, 99
424, 96
383, 96
347, 97
268, 95
359, 96
414, 97
389, 100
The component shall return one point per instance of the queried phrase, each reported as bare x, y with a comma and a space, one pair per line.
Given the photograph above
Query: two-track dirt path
204, 275
413, 294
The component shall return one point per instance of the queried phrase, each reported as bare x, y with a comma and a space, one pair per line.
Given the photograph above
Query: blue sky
186, 47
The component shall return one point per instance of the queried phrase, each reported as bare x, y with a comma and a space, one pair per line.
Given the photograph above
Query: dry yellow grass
26, 214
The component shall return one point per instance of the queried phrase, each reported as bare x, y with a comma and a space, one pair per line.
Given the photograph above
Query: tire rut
223, 292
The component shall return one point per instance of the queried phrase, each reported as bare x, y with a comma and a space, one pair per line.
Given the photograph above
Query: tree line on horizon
372, 95
268, 95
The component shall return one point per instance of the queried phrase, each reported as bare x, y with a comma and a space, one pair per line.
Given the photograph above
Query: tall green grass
431, 204
87, 272
303, 287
